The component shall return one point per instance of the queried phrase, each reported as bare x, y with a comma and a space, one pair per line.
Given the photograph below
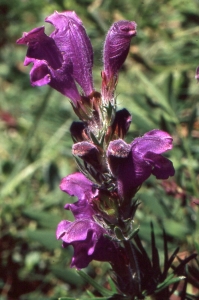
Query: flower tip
19, 41
31, 35
132, 28
133, 31
53, 16
126, 28
22, 39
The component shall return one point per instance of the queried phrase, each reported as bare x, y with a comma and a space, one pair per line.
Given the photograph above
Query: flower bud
116, 46
78, 131
88, 152
120, 125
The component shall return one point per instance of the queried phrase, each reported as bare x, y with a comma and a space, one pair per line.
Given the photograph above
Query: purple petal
79, 186
39, 74
81, 258
61, 228
88, 241
162, 167
117, 45
49, 65
72, 40
83, 235
103, 250
42, 47
156, 141
132, 167
77, 231
131, 174
81, 209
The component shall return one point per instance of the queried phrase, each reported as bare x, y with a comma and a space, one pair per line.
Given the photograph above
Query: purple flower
88, 241
63, 58
72, 40
116, 48
84, 234
133, 163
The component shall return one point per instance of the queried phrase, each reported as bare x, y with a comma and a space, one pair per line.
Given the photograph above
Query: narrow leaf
68, 298
143, 251
170, 261
112, 285
155, 255
168, 282
97, 286
133, 234
165, 253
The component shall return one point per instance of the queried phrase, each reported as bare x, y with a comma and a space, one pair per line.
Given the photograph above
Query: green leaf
168, 281
100, 298
159, 97
83, 298
44, 237
132, 234
112, 285
149, 199
67, 275
92, 296
168, 263
176, 229
45, 219
165, 254
196, 246
143, 251
68, 298
97, 286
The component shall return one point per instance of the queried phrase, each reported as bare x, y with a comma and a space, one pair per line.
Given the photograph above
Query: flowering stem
135, 271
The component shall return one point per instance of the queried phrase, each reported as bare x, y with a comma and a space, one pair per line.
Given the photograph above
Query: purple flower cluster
111, 171
65, 58
84, 234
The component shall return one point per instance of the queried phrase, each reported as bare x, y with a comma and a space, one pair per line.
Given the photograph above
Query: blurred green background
156, 85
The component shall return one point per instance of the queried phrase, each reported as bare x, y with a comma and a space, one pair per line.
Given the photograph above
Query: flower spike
110, 170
